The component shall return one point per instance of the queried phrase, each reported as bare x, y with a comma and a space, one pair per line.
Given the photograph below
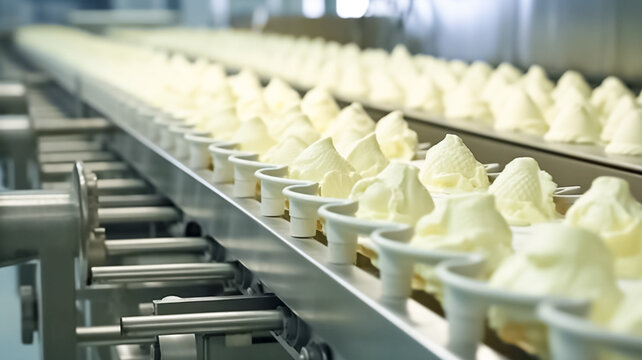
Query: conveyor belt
340, 303
569, 164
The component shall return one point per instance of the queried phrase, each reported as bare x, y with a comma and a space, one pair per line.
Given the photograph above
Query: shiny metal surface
156, 245
12, 97
162, 272
57, 157
71, 126
17, 152
138, 214
178, 347
122, 186
174, 305
44, 225
597, 37
99, 167
205, 323
106, 201
69, 145
107, 335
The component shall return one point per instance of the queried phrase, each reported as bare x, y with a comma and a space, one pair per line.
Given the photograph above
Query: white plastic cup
342, 230
223, 169
245, 180
199, 156
273, 181
304, 205
179, 147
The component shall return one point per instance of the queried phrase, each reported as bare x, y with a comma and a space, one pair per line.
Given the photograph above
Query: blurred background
597, 37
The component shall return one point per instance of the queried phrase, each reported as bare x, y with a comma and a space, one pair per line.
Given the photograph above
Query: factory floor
11, 346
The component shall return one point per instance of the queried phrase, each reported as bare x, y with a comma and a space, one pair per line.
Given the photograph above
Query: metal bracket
178, 347
176, 305
29, 313
91, 248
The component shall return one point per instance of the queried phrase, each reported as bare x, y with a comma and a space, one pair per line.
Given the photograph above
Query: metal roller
204, 323
119, 186
98, 167
141, 214
68, 156
71, 126
106, 186
69, 146
156, 245
107, 335
162, 272
111, 201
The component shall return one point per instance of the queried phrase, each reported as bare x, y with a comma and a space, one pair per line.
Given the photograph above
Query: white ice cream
320, 107
450, 167
280, 96
396, 140
285, 151
322, 163
524, 193
627, 139
521, 114
352, 124
253, 136
620, 110
463, 223
574, 124
609, 209
558, 260
394, 195
366, 157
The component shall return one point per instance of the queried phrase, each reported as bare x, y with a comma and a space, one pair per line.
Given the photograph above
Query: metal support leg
17, 148
45, 225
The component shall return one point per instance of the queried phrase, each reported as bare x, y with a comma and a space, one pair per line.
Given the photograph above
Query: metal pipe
162, 272
67, 156
203, 323
98, 167
69, 146
138, 214
107, 335
156, 245
104, 186
67, 126
111, 201
109, 186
